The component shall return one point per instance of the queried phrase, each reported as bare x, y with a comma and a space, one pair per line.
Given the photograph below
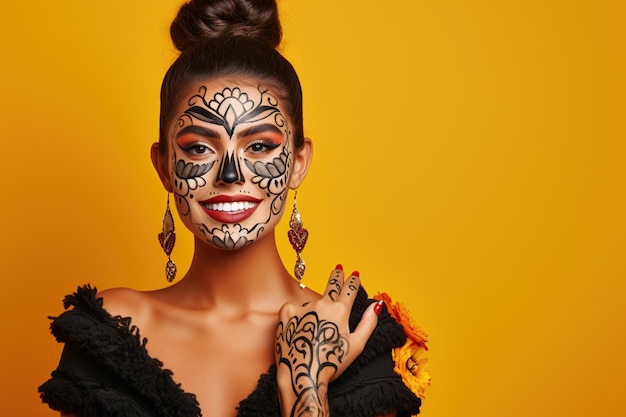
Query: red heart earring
298, 236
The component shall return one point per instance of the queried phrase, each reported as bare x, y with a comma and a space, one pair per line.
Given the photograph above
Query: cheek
186, 170
188, 177
272, 175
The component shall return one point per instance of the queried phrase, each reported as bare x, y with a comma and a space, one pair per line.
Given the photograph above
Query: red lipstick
230, 209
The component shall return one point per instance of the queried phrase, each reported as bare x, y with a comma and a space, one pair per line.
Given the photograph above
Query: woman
237, 330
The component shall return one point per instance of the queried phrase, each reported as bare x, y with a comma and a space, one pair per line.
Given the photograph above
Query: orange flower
411, 364
399, 312
410, 361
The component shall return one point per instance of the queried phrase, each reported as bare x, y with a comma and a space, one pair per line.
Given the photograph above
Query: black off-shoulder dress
106, 371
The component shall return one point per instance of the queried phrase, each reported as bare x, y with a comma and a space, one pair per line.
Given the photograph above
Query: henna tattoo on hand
309, 346
334, 293
353, 288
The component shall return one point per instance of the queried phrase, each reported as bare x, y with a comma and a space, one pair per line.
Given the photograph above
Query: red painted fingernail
378, 307
356, 274
339, 266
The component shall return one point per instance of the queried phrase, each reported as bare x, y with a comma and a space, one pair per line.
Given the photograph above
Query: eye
261, 146
197, 149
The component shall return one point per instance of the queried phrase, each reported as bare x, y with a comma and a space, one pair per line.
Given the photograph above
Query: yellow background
469, 161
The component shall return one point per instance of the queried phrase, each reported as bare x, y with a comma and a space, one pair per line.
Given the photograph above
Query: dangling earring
167, 239
298, 236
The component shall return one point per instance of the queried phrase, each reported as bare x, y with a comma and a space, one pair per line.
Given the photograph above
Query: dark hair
220, 38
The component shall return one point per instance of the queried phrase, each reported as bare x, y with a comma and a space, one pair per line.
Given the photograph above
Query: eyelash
194, 148
267, 146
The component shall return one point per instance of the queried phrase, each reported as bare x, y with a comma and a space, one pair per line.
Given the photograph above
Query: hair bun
200, 20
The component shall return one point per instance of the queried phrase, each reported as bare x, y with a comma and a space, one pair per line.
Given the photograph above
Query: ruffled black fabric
133, 384
117, 347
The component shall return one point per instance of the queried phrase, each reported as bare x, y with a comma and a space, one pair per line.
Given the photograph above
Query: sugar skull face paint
231, 161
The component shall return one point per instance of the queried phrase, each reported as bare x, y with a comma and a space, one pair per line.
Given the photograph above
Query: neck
252, 278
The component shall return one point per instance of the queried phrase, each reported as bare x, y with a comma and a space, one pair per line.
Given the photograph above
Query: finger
366, 326
335, 282
350, 287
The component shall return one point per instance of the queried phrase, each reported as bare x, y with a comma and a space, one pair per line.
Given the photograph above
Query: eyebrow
260, 129
198, 130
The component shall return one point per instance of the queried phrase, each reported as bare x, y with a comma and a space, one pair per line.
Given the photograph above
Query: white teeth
231, 207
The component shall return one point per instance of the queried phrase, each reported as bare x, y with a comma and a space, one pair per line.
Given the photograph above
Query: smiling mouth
232, 207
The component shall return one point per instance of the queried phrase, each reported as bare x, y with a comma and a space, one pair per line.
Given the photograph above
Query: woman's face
231, 160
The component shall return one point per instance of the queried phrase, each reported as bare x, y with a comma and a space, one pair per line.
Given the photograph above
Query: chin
231, 236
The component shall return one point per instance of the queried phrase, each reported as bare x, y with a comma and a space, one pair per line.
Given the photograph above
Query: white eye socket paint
231, 163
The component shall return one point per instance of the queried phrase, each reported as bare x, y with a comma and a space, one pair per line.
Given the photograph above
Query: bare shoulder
125, 302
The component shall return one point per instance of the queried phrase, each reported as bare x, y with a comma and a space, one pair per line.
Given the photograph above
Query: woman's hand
314, 345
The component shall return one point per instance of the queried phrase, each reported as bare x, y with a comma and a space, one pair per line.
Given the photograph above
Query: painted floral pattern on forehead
232, 107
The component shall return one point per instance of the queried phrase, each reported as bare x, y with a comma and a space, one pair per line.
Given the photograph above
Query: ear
160, 164
301, 163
